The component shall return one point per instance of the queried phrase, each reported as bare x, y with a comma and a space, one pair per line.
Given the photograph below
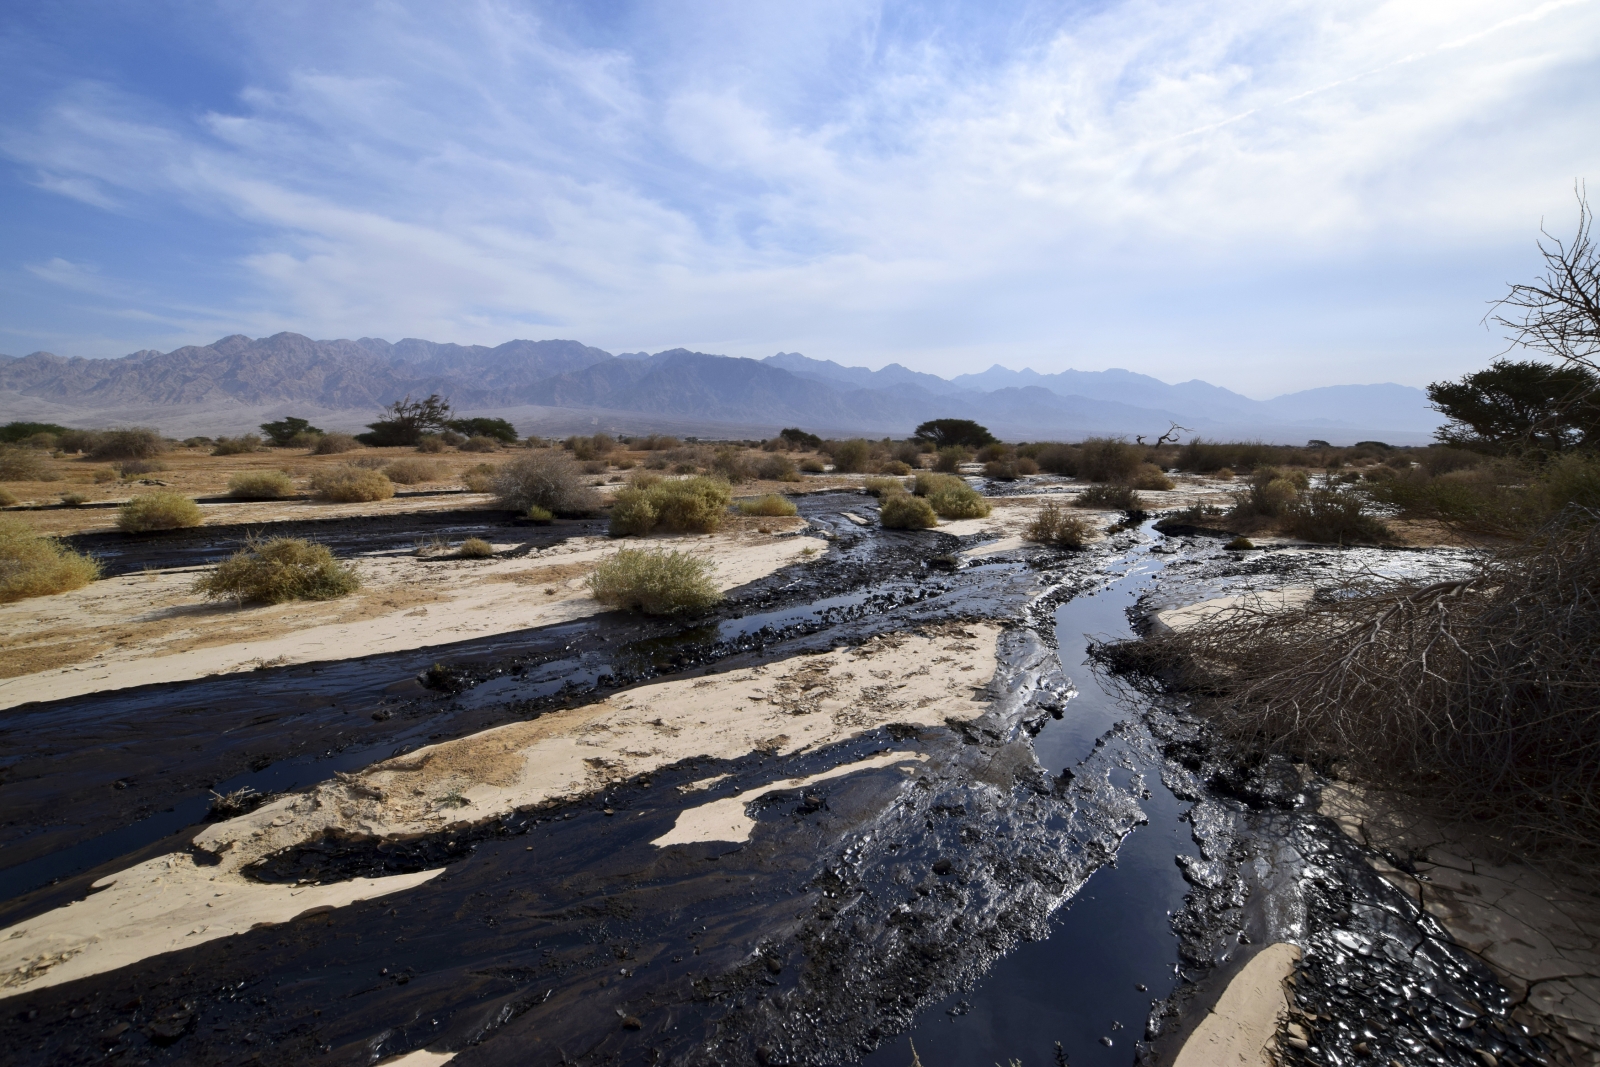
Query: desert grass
770, 504
346, 485
8, 499
1149, 476
158, 511
546, 479
1480, 694
1109, 495
655, 583
414, 470
1053, 526
479, 478
475, 548
902, 511
21, 464
277, 571
31, 565
882, 487
260, 485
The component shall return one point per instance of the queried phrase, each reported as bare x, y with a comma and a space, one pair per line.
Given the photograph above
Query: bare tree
1559, 314
1171, 435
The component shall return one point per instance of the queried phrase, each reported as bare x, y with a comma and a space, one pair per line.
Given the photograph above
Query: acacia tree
405, 421
945, 433
1517, 405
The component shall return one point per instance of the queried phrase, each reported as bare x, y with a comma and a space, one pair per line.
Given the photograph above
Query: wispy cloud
1269, 194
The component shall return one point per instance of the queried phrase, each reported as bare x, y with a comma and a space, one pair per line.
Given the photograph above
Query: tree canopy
405, 421
499, 429
285, 430
1522, 405
947, 432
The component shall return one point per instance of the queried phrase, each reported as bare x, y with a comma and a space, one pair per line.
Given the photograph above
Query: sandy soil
1242, 1027
925, 678
142, 628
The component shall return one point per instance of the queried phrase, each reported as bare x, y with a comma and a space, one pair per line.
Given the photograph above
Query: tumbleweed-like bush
771, 504
655, 583
158, 511
902, 511
475, 548
279, 570
31, 565
415, 470
348, 485
1480, 694
332, 444
1120, 497
679, 505
950, 496
548, 479
1055, 527
260, 485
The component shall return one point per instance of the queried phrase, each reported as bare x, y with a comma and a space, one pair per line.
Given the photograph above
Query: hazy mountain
345, 382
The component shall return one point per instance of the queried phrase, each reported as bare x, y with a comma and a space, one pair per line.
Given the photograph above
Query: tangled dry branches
1482, 693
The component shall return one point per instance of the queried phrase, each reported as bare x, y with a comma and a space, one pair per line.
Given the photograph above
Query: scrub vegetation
546, 479
650, 503
158, 511
260, 485
348, 485
279, 570
31, 565
655, 582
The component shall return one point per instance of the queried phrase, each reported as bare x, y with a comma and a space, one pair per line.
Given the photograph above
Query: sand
139, 629
725, 819
1241, 1028
921, 677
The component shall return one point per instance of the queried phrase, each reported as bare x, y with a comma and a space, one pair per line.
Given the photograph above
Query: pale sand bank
921, 678
1241, 1029
138, 629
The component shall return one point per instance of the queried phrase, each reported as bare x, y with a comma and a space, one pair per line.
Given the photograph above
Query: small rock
632, 1022
1106, 1041
608, 811
1363, 1049
942, 866
1299, 1043
1488, 1058
1141, 987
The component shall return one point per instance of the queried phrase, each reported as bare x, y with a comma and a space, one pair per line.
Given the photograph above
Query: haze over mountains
557, 386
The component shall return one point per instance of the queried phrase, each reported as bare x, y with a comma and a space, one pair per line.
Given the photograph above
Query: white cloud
473, 175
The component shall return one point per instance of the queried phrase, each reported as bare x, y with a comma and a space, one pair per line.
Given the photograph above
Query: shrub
277, 571
771, 504
31, 565
1108, 459
1207, 457
812, 465
1239, 544
480, 478
260, 485
655, 583
656, 443
13, 432
695, 504
1054, 527
332, 444
588, 448
73, 500
198, 442
7, 498
734, 465
475, 548
902, 511
1270, 491
548, 479
1120, 497
1331, 517
539, 515
18, 464
135, 467
1001, 470
1149, 476
233, 446
79, 441
777, 467
139, 442
290, 432
1225, 475
494, 429
349, 485
951, 497
950, 459
883, 486
410, 471
481, 443
894, 466
595, 466
1058, 459
850, 457
1026, 465
431, 443
158, 511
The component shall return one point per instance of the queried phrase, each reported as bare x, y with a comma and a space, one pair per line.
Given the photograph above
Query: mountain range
560, 386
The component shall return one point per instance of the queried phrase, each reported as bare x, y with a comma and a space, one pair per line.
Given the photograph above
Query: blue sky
1268, 195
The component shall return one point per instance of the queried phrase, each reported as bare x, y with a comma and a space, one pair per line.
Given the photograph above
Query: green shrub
1001, 470
479, 478
13, 432
894, 466
850, 457
883, 486
431, 443
694, 504
950, 497
290, 432
1057, 459
332, 444
950, 459
198, 442
539, 515
777, 467
812, 465
1119, 497
31, 565
546, 478
734, 464
19, 464
475, 548
1239, 544
158, 511
349, 485
260, 485
655, 583
1208, 457
139, 442
233, 446
771, 504
277, 571
1331, 517
1270, 492
902, 511
481, 443
412, 471
1055, 527
1108, 459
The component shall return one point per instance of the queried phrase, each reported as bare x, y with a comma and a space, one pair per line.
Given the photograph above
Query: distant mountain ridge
288, 370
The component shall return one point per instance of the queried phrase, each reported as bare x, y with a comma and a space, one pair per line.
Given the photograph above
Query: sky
1270, 196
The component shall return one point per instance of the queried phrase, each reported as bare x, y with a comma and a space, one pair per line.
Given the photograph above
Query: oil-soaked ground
1081, 866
